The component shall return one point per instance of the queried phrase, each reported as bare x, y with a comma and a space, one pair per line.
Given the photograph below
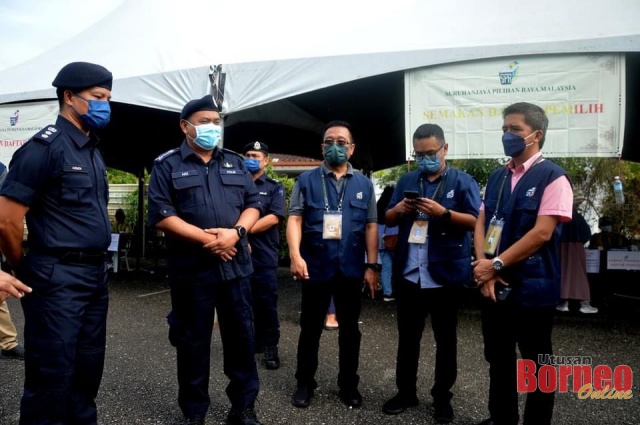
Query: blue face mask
98, 114
253, 165
429, 164
336, 154
207, 135
513, 144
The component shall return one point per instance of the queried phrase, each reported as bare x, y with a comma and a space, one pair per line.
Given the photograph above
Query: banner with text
20, 121
583, 96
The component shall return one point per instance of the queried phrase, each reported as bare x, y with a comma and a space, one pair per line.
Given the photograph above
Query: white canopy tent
337, 59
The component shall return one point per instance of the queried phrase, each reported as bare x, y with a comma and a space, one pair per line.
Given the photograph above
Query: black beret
204, 104
256, 146
82, 75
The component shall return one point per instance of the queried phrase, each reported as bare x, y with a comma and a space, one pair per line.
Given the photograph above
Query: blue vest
449, 244
325, 257
536, 280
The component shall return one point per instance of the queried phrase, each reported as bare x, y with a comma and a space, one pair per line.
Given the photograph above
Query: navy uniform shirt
207, 196
61, 176
265, 246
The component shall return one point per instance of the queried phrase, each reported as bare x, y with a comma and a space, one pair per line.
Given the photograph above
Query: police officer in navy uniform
332, 224
264, 240
58, 180
204, 199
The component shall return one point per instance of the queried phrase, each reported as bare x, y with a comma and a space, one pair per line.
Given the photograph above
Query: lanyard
326, 198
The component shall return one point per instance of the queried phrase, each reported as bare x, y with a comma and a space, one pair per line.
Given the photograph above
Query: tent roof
160, 51
339, 59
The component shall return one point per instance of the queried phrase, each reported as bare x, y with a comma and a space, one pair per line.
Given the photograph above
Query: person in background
58, 180
120, 225
431, 265
388, 238
607, 239
10, 348
517, 266
9, 285
204, 200
331, 321
332, 224
574, 281
264, 240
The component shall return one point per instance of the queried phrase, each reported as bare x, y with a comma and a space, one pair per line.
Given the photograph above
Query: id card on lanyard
332, 219
420, 226
332, 225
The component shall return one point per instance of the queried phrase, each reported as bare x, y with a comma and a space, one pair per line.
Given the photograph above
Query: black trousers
414, 305
316, 296
64, 337
505, 325
264, 292
194, 304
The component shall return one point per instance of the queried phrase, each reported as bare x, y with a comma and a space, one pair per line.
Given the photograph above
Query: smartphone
502, 291
411, 194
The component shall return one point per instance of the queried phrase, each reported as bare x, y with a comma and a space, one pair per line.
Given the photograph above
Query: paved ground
139, 386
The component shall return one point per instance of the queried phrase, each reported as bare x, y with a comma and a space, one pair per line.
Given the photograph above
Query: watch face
497, 264
242, 232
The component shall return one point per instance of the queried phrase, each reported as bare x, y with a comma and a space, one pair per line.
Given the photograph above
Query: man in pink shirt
517, 267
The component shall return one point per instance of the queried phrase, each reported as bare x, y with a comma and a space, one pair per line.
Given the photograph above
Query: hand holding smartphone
411, 194
502, 291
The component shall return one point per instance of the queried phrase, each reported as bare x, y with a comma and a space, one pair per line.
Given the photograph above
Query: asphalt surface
139, 384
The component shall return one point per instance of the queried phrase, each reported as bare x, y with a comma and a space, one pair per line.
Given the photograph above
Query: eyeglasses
330, 142
419, 156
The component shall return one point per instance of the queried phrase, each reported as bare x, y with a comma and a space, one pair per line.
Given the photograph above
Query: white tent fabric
160, 51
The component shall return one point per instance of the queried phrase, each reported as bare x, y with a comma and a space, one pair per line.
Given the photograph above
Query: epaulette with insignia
48, 134
271, 179
166, 154
232, 152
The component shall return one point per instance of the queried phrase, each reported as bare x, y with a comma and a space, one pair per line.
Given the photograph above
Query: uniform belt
75, 256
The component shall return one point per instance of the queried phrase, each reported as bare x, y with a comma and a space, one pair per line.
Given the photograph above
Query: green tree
287, 183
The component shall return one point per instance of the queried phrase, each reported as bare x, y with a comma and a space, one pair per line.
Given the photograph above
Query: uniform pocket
77, 187
188, 187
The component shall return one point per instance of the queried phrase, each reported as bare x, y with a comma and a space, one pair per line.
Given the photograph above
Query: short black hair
534, 117
429, 130
339, 123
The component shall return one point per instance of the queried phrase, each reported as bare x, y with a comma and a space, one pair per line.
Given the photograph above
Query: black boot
271, 359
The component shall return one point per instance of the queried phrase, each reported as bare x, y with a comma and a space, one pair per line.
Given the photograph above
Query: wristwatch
242, 232
373, 266
497, 264
446, 215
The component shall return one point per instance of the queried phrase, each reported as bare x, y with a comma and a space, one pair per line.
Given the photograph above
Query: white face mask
207, 135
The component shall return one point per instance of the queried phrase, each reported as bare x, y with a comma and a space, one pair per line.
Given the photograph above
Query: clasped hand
222, 243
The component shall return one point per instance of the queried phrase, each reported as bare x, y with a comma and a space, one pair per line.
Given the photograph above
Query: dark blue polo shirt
61, 176
209, 195
265, 246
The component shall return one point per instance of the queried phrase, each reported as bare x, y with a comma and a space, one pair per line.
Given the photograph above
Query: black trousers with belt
316, 296
64, 336
506, 325
414, 305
